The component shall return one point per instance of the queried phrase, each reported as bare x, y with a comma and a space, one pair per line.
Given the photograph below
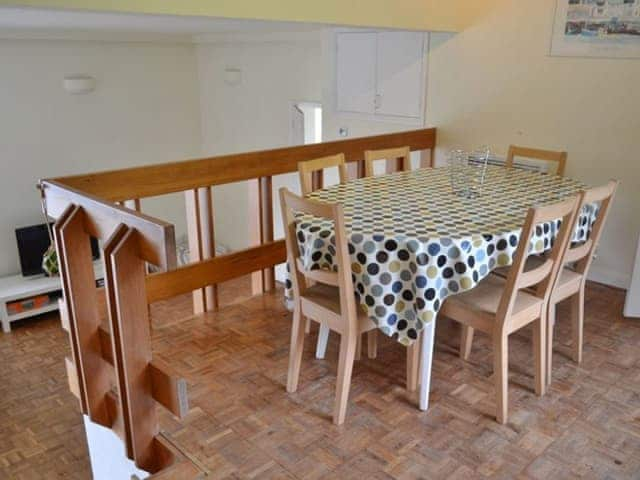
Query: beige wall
144, 110
496, 84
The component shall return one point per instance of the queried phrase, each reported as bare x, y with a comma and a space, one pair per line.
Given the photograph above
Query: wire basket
467, 171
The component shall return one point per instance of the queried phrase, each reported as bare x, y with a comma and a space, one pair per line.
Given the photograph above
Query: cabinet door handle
377, 101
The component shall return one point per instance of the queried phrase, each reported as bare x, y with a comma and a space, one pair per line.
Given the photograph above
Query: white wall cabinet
381, 74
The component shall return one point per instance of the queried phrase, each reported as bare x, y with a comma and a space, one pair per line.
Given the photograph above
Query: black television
33, 241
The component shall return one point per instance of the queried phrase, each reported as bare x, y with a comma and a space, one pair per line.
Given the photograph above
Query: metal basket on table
467, 171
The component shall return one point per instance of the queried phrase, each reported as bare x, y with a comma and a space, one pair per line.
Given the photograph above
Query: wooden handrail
153, 180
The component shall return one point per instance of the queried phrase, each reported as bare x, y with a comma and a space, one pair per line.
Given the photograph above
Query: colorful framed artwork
597, 28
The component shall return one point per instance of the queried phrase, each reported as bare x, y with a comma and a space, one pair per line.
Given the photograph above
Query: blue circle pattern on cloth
413, 243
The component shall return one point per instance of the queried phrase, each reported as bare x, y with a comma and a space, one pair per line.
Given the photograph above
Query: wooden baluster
266, 220
132, 335
255, 230
261, 229
95, 374
208, 246
200, 226
192, 202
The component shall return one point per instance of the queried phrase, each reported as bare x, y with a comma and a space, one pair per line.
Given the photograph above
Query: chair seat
327, 297
478, 306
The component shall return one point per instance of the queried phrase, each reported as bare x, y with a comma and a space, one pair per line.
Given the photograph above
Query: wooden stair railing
198, 177
111, 370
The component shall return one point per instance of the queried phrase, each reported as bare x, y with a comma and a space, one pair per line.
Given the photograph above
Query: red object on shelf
20, 306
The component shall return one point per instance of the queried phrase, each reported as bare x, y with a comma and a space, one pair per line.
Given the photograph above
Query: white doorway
306, 123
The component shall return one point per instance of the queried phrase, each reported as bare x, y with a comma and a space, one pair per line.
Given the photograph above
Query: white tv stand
17, 287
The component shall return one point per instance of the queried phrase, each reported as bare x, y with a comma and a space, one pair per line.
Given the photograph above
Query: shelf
33, 312
18, 288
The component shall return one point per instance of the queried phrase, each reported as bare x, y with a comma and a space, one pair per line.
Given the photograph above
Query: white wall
496, 84
144, 110
255, 114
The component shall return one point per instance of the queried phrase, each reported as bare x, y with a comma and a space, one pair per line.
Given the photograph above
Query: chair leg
295, 352
540, 354
551, 322
426, 360
372, 343
501, 373
323, 338
345, 368
577, 324
359, 347
466, 339
413, 365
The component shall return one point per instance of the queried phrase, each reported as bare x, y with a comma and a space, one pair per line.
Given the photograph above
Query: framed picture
597, 28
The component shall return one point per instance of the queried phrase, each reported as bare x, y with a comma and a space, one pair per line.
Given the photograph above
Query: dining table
414, 241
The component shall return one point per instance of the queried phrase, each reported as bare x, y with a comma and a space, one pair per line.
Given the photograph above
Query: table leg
323, 337
426, 357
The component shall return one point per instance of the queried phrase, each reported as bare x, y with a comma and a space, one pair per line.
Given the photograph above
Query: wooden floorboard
244, 425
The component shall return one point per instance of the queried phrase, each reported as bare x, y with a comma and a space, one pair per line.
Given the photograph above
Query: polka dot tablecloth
413, 242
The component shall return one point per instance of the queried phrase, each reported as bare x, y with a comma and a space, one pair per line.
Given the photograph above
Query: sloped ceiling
434, 15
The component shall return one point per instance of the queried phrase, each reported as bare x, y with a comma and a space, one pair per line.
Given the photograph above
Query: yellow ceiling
435, 15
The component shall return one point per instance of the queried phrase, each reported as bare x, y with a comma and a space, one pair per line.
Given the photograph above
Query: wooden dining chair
312, 172
396, 159
499, 306
312, 179
573, 276
533, 153
324, 296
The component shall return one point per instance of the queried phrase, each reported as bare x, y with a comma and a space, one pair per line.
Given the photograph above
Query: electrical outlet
343, 132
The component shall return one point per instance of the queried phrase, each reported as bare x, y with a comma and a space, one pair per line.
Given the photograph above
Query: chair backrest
582, 255
543, 278
392, 156
547, 155
291, 205
312, 172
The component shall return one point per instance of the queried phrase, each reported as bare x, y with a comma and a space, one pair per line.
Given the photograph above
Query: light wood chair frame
347, 323
312, 172
537, 154
539, 282
581, 257
311, 179
396, 159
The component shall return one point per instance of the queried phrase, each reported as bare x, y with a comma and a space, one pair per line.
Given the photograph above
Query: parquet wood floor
244, 425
